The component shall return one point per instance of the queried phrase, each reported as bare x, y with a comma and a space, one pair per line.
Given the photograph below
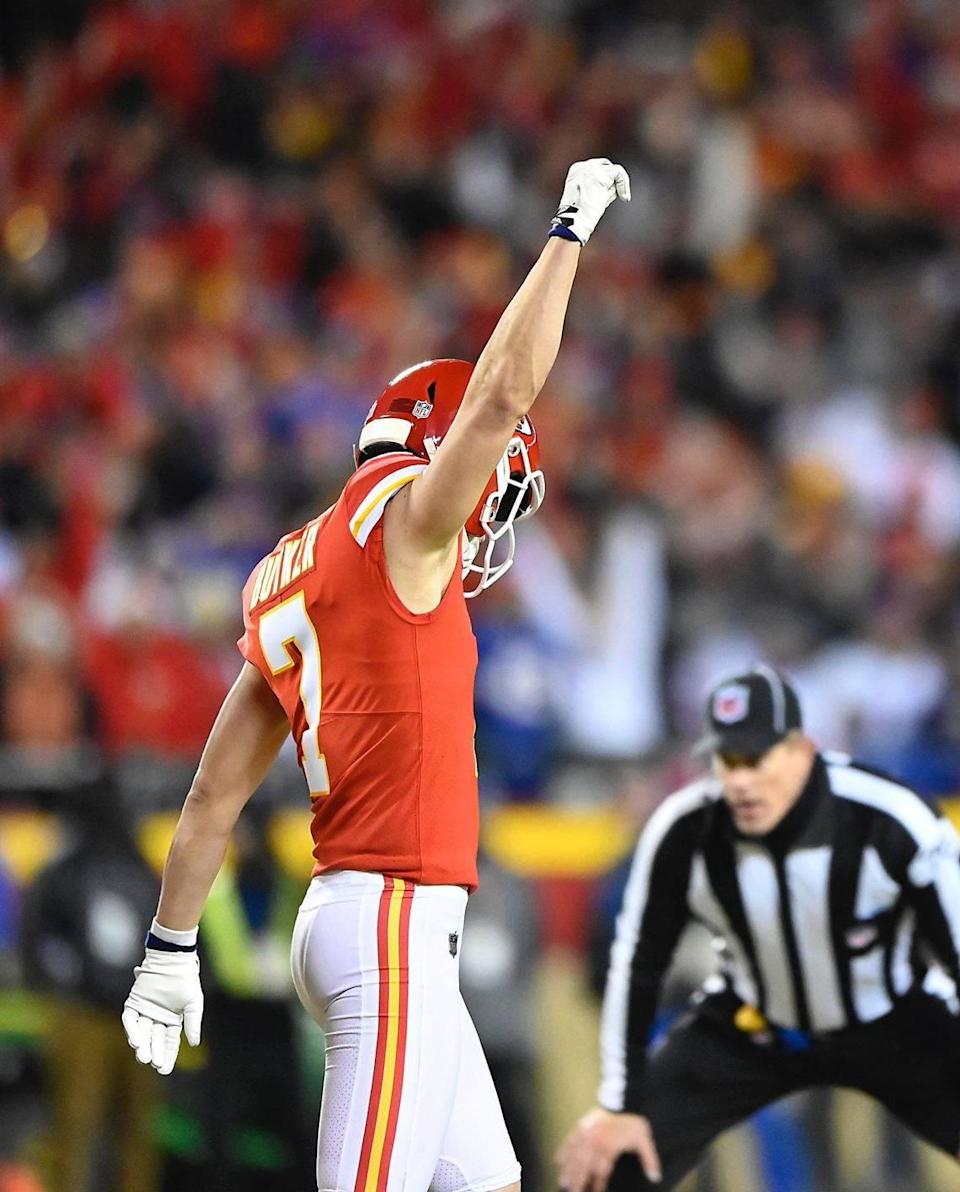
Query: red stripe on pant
380, 1162
404, 991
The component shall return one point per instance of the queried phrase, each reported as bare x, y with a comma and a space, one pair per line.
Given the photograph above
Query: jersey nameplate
287, 563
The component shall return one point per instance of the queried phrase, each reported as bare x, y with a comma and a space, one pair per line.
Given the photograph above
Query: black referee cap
748, 713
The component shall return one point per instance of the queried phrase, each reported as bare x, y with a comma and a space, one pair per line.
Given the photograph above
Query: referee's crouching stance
820, 877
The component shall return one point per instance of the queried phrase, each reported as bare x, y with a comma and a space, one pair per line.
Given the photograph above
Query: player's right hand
590, 188
587, 1157
166, 996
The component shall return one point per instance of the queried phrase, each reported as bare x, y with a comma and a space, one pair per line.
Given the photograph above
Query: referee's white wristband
183, 939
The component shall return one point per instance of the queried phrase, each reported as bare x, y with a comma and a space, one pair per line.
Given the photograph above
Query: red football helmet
414, 412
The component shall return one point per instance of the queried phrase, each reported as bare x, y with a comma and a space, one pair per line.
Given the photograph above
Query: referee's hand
591, 1149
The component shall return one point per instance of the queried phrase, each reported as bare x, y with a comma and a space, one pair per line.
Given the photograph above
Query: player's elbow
506, 392
210, 807
502, 409
200, 794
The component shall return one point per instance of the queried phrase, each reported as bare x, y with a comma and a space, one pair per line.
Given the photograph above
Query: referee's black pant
709, 1075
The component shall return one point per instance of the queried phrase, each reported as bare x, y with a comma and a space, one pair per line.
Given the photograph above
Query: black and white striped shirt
818, 919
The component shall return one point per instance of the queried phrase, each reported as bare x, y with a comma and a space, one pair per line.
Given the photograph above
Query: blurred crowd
224, 224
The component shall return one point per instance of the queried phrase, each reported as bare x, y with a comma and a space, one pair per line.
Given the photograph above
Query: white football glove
590, 188
166, 995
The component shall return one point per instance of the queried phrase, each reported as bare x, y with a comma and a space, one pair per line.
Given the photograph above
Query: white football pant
408, 1100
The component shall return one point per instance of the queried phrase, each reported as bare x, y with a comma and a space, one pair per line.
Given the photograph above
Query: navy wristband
563, 233
159, 945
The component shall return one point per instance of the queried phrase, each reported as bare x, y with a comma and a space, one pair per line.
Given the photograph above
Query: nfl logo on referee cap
731, 703
750, 712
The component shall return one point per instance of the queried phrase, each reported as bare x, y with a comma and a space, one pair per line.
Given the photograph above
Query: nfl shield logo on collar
731, 703
453, 939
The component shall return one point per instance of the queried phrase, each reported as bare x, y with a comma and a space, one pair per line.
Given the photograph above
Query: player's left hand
587, 1157
166, 996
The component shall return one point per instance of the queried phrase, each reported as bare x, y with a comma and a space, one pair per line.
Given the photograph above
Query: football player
357, 640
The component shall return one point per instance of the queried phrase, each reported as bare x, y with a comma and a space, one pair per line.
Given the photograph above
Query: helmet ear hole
375, 449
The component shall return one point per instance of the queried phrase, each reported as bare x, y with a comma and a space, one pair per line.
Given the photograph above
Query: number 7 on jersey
280, 627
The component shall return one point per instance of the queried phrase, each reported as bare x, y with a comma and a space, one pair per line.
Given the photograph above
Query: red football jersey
380, 700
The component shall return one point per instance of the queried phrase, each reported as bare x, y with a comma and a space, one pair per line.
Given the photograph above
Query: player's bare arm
509, 374
423, 524
243, 744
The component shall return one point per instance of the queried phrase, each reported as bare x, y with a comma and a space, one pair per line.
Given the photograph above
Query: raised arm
512, 367
166, 995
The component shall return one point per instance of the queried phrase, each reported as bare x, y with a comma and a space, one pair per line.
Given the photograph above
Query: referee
832, 891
